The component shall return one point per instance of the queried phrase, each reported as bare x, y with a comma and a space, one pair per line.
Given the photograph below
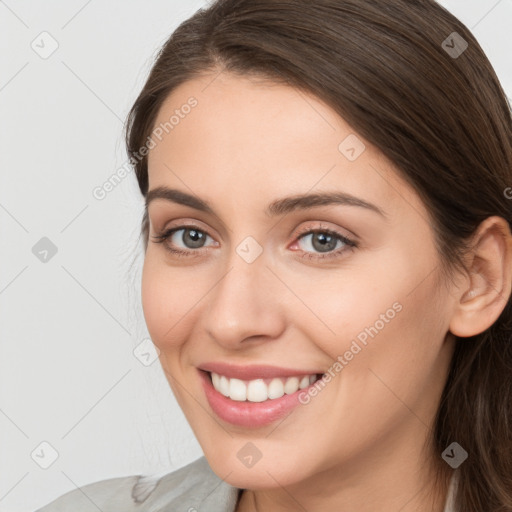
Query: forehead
266, 139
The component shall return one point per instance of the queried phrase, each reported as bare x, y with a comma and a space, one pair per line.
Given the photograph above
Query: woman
328, 262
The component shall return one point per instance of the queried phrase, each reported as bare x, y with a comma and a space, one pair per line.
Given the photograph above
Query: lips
251, 372
256, 395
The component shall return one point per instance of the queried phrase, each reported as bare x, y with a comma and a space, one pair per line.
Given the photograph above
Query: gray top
192, 488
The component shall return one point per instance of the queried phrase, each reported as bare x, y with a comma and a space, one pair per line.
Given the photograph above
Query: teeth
237, 390
275, 389
257, 390
304, 382
223, 385
291, 385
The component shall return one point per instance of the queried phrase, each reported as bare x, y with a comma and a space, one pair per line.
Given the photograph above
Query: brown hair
388, 68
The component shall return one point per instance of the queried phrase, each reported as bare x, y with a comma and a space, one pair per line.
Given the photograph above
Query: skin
361, 443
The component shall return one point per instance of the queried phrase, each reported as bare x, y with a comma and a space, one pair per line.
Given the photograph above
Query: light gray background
68, 374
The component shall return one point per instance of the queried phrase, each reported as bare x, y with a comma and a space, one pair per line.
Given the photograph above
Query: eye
191, 238
316, 243
322, 243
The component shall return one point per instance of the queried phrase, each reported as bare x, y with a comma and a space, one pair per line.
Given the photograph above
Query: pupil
195, 238
323, 242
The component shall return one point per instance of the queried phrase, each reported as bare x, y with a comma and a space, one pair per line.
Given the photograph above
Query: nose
244, 307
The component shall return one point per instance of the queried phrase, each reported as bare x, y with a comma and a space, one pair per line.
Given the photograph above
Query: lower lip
248, 414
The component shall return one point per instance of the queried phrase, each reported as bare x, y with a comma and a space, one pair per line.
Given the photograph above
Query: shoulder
190, 487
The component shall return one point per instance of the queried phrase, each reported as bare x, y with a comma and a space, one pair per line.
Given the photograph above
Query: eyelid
185, 222
321, 227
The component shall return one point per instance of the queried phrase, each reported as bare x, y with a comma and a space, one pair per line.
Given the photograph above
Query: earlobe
489, 281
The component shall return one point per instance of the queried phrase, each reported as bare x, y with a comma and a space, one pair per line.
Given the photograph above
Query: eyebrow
278, 207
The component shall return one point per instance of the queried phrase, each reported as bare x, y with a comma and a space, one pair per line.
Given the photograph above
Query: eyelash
349, 243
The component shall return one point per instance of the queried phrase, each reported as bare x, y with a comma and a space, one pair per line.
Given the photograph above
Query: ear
487, 288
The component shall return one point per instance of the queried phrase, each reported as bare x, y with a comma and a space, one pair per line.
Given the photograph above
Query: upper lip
253, 371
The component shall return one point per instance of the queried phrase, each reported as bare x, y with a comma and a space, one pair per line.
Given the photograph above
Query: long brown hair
399, 76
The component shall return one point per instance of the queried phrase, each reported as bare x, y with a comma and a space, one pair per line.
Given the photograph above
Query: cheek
341, 305
164, 301
380, 311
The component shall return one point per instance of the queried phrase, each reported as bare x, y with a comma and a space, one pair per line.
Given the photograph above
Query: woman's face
275, 283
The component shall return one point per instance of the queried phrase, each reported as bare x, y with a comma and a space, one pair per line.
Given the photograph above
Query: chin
266, 473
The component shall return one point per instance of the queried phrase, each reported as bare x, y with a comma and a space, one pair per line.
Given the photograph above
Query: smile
253, 396
259, 390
